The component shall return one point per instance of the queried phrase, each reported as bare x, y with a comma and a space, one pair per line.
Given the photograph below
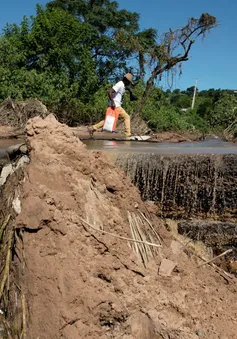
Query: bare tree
169, 52
174, 49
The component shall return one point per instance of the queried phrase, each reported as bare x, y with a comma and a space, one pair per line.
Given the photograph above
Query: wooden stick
23, 303
7, 265
142, 247
217, 257
151, 226
147, 250
118, 236
7, 328
4, 225
135, 246
222, 272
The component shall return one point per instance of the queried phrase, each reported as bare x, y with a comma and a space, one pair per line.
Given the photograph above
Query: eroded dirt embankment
80, 283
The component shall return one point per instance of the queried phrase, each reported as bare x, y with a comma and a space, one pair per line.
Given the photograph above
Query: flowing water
185, 184
184, 179
209, 146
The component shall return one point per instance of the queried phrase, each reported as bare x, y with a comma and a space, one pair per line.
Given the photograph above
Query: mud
81, 283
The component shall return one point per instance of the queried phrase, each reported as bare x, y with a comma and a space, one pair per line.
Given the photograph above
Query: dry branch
228, 130
222, 272
4, 225
7, 264
118, 236
217, 257
23, 305
174, 49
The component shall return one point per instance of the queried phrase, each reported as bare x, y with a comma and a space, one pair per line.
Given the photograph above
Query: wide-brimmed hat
129, 77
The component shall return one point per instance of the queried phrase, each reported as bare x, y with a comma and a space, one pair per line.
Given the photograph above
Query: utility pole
194, 93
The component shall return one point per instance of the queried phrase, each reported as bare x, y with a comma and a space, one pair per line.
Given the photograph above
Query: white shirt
119, 88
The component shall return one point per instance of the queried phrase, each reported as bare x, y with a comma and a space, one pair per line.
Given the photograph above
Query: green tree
190, 90
54, 53
107, 20
181, 100
176, 91
224, 111
205, 107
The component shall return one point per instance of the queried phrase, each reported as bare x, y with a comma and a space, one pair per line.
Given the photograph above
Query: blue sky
213, 61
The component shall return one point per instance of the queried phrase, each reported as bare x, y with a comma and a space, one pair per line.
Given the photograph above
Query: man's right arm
111, 93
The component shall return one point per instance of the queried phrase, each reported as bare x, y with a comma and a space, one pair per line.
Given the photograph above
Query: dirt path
82, 132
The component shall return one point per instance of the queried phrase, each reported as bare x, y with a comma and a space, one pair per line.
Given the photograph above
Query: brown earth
81, 283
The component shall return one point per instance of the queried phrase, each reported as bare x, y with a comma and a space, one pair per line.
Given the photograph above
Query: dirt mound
16, 114
82, 283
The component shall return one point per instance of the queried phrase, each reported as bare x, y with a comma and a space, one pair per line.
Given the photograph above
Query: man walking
115, 96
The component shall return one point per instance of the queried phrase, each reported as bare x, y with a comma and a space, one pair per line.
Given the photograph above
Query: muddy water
210, 146
185, 179
4, 144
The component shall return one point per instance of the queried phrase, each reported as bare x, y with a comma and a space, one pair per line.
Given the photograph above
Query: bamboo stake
118, 236
23, 303
4, 225
151, 226
135, 245
217, 257
7, 329
141, 247
145, 250
7, 265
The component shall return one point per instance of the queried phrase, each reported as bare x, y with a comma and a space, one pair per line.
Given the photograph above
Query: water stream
209, 146
184, 179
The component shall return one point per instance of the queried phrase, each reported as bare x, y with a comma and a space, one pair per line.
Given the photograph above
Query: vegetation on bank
72, 51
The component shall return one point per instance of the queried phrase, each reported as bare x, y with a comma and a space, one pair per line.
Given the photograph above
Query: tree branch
162, 53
